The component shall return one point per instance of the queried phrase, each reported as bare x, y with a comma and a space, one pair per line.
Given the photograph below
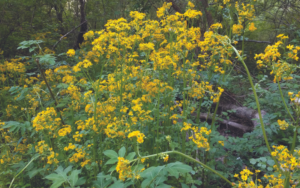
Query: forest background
229, 113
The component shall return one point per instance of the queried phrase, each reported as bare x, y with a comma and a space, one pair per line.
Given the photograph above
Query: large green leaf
73, 178
122, 152
111, 154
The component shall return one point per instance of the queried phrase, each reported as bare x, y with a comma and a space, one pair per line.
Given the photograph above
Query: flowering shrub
137, 87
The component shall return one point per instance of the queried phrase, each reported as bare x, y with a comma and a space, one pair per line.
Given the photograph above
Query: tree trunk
208, 15
83, 27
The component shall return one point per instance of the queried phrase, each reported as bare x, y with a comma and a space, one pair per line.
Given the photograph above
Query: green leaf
47, 59
110, 154
80, 181
117, 184
122, 152
151, 172
57, 180
112, 168
67, 170
173, 172
253, 161
183, 185
163, 186
130, 156
62, 86
263, 159
54, 177
180, 167
111, 161
146, 182
34, 172
187, 88
102, 180
73, 178
270, 169
270, 162
57, 184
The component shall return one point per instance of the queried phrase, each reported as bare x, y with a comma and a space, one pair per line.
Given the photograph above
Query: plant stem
257, 104
49, 88
12, 181
284, 101
187, 157
295, 137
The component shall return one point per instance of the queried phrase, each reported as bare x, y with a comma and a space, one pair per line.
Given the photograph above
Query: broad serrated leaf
74, 177
130, 156
34, 172
180, 167
173, 172
111, 161
102, 180
151, 172
112, 168
57, 184
117, 184
146, 182
61, 105
80, 181
183, 185
110, 154
55, 177
160, 179
47, 59
122, 152
163, 186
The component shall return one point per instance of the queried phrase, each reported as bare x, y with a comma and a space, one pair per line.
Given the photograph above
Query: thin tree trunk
83, 27
208, 15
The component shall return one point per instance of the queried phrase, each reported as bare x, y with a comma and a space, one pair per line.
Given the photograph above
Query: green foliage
61, 176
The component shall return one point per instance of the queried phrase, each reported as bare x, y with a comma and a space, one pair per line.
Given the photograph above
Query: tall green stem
257, 104
187, 157
286, 107
295, 137
296, 123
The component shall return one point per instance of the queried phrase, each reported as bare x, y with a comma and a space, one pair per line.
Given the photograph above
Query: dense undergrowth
123, 111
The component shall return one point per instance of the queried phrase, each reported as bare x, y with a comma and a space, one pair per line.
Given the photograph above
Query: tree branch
67, 34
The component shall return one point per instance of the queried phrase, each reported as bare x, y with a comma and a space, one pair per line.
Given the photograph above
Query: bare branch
67, 34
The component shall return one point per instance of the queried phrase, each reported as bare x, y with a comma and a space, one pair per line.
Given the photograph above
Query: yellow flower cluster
123, 168
43, 148
283, 124
89, 34
64, 131
71, 52
146, 46
245, 12
252, 27
295, 98
237, 29
270, 59
162, 10
80, 154
46, 120
216, 26
287, 161
246, 183
70, 147
83, 64
140, 136
197, 136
